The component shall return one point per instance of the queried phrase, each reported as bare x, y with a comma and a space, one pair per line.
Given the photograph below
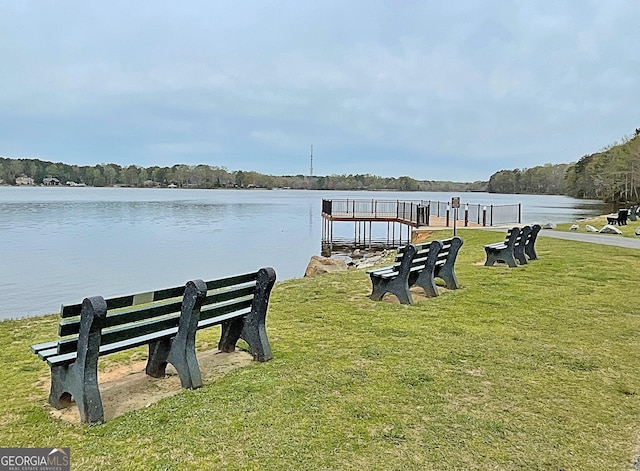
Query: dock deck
403, 218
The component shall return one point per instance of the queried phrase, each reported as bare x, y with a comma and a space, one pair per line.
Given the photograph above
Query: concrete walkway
593, 238
588, 237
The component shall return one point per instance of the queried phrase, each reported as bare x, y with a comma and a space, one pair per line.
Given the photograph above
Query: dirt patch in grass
126, 388
417, 294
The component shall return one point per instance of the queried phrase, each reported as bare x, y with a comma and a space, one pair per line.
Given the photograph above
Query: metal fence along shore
406, 215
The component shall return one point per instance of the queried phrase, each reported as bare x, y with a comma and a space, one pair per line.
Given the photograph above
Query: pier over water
401, 217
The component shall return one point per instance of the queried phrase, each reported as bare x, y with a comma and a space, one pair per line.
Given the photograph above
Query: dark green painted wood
124, 333
221, 296
74, 310
232, 280
215, 310
133, 314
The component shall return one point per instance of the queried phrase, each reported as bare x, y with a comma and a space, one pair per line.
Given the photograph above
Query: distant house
24, 180
50, 181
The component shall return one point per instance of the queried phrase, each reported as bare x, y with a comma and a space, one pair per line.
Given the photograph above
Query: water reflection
69, 243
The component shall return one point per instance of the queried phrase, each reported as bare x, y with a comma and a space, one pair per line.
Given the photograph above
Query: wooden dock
403, 218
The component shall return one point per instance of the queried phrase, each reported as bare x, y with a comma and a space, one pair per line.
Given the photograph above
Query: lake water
59, 245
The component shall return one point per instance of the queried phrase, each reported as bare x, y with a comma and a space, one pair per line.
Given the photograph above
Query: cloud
480, 86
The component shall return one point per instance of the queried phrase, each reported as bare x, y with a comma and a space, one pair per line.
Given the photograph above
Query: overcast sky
429, 89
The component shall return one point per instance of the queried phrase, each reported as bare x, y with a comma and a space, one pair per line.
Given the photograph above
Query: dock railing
417, 212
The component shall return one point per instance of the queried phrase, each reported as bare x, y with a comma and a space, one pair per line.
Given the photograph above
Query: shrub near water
528, 368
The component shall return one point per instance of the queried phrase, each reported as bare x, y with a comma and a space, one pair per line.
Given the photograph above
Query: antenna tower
311, 166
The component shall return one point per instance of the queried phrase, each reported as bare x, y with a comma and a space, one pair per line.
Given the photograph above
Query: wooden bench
503, 251
165, 320
417, 264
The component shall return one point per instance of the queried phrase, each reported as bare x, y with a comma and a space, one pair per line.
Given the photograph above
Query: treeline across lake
611, 175
39, 172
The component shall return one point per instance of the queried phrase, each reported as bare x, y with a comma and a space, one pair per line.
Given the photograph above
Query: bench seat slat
380, 270
66, 358
389, 270
124, 333
43, 346
44, 354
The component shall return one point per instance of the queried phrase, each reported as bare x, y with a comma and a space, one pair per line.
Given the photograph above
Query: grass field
627, 230
529, 368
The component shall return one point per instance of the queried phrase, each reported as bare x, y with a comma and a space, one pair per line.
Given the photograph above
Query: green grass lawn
529, 368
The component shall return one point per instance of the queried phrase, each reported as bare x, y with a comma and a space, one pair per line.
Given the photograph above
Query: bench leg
379, 288
500, 256
80, 383
79, 380
181, 350
252, 328
396, 286
427, 282
447, 274
165, 351
520, 256
531, 252
183, 357
157, 359
491, 258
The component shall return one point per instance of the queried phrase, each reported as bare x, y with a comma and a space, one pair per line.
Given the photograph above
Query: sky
427, 89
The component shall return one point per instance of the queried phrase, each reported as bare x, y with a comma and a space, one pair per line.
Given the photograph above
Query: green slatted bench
417, 264
503, 251
443, 267
166, 320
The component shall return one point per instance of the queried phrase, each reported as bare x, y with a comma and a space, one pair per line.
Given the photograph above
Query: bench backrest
422, 254
533, 235
523, 235
448, 251
529, 247
131, 317
512, 236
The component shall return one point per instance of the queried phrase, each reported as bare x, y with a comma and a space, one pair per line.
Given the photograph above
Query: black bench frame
417, 264
443, 267
530, 245
621, 218
503, 251
518, 247
166, 321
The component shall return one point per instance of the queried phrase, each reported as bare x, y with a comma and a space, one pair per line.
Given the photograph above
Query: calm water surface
59, 245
